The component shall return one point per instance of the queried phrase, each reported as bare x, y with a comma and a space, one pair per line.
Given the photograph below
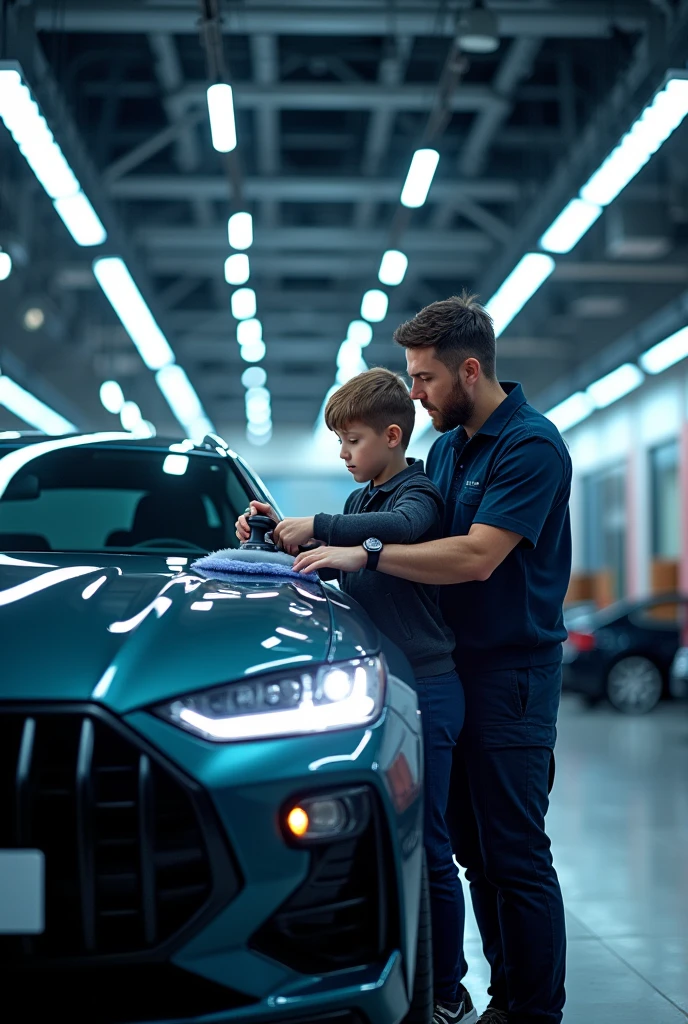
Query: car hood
132, 630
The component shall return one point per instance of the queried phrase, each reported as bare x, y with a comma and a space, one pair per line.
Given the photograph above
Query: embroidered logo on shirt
472, 483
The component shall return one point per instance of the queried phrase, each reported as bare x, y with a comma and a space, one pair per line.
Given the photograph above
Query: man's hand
292, 533
258, 508
325, 557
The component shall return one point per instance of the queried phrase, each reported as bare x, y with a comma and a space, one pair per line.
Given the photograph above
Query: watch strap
373, 559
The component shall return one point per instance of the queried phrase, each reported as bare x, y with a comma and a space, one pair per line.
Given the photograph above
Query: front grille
343, 914
132, 854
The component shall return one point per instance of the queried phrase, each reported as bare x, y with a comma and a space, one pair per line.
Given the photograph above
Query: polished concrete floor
619, 827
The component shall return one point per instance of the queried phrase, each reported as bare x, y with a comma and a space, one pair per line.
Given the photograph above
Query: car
678, 676
624, 652
211, 787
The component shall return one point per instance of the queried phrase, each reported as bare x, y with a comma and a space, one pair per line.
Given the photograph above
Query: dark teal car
211, 788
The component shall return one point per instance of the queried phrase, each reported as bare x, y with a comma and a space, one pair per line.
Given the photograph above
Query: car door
658, 625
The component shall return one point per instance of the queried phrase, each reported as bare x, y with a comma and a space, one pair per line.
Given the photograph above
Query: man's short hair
378, 398
457, 328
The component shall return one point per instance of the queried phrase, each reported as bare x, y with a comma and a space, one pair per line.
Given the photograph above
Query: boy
373, 416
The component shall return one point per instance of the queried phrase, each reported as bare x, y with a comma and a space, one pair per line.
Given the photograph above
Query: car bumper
239, 790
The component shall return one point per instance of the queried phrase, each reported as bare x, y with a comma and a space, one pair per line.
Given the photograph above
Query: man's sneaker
493, 1016
462, 1012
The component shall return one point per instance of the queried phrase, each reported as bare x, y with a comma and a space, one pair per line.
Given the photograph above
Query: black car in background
624, 652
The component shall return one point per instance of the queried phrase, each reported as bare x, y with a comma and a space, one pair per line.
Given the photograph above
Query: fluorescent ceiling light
175, 465
36, 143
240, 230
237, 270
257, 438
130, 416
249, 330
260, 429
183, 401
615, 385
111, 396
258, 404
253, 351
654, 126
361, 332
221, 114
114, 278
665, 353
393, 267
244, 304
571, 411
419, 177
5, 265
349, 361
254, 377
374, 305
521, 284
80, 219
27, 407
569, 227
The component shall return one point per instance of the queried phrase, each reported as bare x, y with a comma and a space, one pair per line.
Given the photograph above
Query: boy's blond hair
377, 398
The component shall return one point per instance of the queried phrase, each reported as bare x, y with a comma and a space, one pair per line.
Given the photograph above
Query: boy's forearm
389, 527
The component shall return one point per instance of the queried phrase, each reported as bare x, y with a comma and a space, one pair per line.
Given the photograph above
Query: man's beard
458, 410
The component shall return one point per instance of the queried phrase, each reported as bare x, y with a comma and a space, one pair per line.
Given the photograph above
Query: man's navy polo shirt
513, 473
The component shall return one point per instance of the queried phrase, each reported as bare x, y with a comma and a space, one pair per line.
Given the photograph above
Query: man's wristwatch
373, 546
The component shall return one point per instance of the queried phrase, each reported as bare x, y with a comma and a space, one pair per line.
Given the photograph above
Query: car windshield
119, 499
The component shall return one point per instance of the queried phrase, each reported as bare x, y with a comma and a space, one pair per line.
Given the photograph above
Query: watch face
373, 544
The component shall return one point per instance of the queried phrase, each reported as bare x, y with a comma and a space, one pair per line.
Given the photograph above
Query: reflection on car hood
131, 630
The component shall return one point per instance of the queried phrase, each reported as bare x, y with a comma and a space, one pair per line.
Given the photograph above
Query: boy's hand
292, 533
258, 508
325, 557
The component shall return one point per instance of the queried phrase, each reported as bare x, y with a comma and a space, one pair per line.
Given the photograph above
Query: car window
118, 499
668, 614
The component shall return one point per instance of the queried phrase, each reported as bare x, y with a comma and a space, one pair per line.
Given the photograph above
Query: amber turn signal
297, 821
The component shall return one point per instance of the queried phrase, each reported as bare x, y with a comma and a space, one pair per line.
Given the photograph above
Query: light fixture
113, 276
374, 305
615, 385
183, 401
419, 177
81, 220
258, 439
237, 270
651, 129
521, 284
570, 226
478, 31
349, 361
111, 396
36, 143
130, 416
33, 319
240, 230
260, 427
5, 265
243, 304
257, 404
175, 465
221, 114
27, 407
361, 332
665, 353
571, 411
253, 351
254, 377
393, 267
249, 331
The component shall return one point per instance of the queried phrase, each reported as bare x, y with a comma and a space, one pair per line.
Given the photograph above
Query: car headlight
337, 696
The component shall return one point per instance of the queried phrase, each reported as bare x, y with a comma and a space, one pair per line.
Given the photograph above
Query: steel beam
156, 187
582, 19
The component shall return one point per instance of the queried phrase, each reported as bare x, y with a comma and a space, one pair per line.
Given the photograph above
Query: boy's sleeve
416, 512
525, 486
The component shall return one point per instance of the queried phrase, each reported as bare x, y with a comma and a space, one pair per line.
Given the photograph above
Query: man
504, 566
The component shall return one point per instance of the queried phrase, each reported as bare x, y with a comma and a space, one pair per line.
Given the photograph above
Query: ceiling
332, 99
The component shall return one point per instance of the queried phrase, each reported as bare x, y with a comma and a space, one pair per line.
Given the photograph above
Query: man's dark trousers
501, 777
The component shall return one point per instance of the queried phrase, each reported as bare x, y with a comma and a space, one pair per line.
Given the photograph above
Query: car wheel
422, 1005
634, 685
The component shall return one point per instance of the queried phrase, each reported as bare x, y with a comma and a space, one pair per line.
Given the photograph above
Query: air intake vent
132, 853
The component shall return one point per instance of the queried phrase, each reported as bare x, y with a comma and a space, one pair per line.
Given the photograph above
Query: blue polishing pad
213, 563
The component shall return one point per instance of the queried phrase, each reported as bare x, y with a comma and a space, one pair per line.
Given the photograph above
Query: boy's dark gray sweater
404, 510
